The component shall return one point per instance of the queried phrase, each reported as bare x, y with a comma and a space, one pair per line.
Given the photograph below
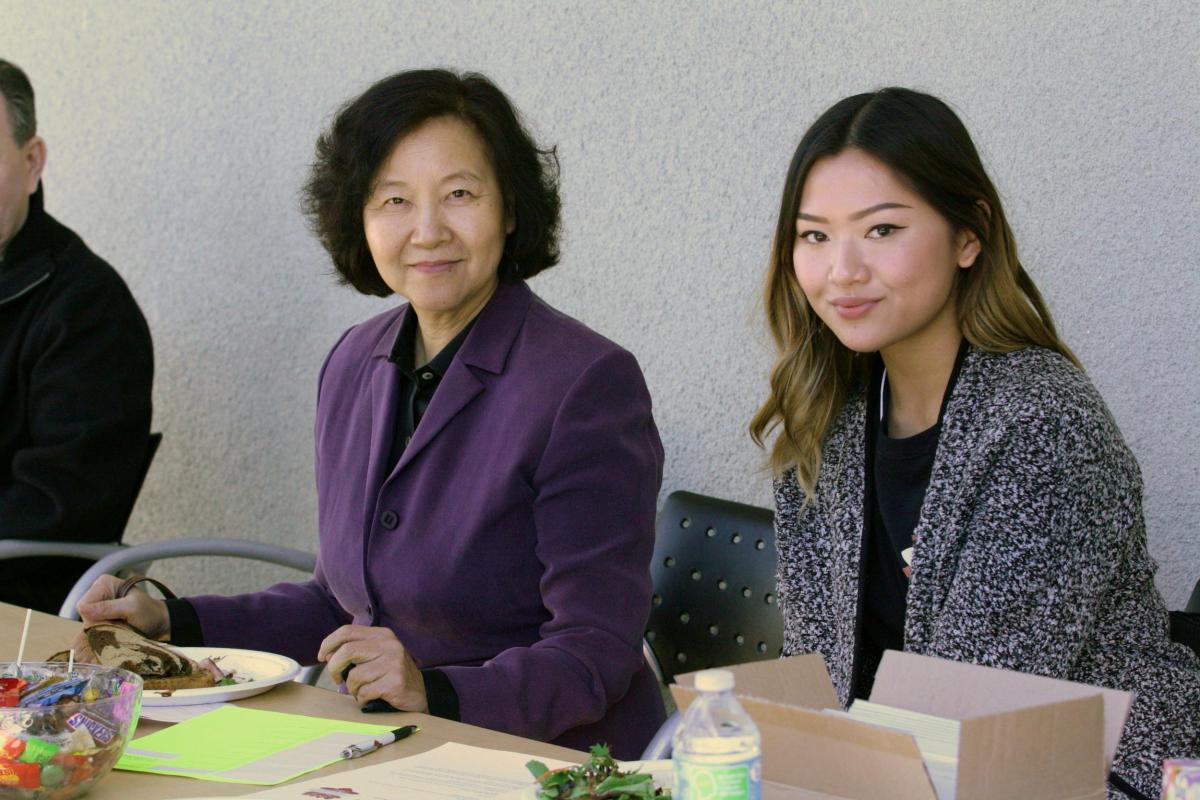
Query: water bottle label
737, 780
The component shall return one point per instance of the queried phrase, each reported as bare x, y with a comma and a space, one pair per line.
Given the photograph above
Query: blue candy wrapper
54, 691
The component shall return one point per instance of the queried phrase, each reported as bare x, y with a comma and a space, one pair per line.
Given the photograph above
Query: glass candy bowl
61, 731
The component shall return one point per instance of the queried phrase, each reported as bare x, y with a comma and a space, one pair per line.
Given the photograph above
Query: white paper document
449, 772
177, 713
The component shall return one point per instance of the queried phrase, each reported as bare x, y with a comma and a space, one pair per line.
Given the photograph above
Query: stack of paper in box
937, 739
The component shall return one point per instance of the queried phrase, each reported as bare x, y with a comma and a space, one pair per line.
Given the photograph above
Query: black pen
371, 745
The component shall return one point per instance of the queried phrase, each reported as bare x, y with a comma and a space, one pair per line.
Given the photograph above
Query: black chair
714, 592
714, 585
21, 548
152, 443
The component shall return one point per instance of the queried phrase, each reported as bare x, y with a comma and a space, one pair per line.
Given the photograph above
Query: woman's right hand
101, 604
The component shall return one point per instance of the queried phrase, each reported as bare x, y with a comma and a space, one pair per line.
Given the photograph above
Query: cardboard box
1021, 736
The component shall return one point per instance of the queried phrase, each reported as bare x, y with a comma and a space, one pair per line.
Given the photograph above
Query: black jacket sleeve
84, 368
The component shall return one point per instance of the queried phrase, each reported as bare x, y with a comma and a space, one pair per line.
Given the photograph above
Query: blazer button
389, 520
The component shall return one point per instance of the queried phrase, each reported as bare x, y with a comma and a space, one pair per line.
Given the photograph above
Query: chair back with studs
714, 585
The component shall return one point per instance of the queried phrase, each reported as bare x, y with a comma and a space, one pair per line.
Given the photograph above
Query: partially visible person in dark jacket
75, 373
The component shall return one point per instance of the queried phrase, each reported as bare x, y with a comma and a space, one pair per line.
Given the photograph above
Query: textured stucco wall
179, 135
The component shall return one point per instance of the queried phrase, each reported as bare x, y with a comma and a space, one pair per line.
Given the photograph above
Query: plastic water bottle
717, 748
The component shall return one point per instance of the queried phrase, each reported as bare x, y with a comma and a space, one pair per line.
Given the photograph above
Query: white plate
263, 669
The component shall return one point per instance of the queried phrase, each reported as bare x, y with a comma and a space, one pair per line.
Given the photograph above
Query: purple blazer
511, 545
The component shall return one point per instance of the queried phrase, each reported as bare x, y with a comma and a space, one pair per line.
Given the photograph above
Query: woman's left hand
377, 664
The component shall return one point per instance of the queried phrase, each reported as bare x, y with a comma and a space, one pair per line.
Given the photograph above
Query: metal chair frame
180, 548
142, 554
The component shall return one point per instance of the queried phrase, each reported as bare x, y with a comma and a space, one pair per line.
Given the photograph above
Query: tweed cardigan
1030, 551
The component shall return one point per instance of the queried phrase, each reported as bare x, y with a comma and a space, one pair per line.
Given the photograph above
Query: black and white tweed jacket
1030, 554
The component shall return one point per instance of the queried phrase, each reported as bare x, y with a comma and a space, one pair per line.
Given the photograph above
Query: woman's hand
379, 666
101, 604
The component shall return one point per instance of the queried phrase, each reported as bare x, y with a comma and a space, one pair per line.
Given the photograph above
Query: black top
417, 387
76, 367
897, 477
417, 384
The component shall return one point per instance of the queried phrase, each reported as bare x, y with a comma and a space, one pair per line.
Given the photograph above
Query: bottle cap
714, 680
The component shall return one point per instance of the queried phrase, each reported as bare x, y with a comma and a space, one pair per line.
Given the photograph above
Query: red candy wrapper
25, 776
11, 747
10, 691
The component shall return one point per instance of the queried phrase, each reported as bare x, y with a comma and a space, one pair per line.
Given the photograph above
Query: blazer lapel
486, 349
456, 390
385, 404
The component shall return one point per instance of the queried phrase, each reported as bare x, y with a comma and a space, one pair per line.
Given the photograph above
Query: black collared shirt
417, 384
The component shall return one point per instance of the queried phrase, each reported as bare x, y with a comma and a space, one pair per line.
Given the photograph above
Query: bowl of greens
599, 778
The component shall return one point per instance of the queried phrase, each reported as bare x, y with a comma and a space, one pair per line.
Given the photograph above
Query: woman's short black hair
351, 152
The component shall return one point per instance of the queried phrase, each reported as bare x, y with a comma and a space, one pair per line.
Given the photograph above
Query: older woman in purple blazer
487, 467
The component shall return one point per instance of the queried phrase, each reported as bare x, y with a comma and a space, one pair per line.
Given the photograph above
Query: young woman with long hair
948, 481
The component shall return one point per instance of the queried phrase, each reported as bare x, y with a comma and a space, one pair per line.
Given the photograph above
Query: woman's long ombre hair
999, 308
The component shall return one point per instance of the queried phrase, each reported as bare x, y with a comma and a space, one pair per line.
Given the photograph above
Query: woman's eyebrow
463, 174
394, 183
866, 212
857, 215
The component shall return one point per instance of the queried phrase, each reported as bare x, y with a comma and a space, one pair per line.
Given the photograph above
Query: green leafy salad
597, 779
